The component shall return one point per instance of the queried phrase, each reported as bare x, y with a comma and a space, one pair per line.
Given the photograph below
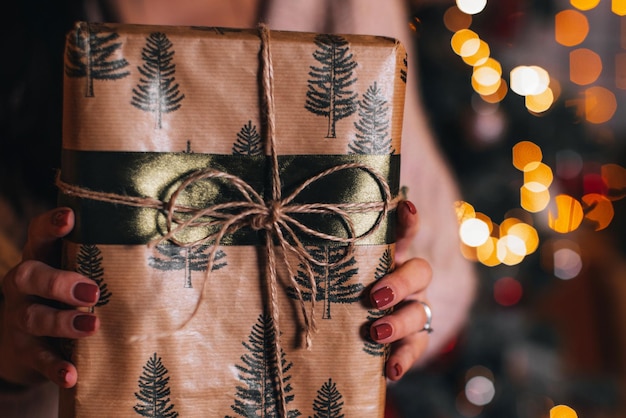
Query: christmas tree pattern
90, 55
371, 347
248, 141
332, 280
154, 392
404, 69
328, 92
157, 91
89, 264
175, 257
372, 128
259, 393
329, 401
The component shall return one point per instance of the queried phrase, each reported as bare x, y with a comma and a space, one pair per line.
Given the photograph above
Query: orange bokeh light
598, 210
571, 27
600, 104
524, 153
455, 20
566, 215
585, 66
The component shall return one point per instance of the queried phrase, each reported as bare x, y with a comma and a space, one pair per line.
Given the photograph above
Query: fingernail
382, 331
85, 323
410, 206
382, 297
59, 218
86, 292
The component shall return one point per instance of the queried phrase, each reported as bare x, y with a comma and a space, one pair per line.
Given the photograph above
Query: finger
38, 279
40, 320
44, 231
407, 226
404, 354
410, 278
408, 319
50, 365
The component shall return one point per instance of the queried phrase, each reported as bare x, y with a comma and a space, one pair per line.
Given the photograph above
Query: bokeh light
487, 253
526, 233
534, 197
566, 215
539, 103
529, 80
614, 176
584, 4
600, 104
474, 232
562, 411
598, 210
567, 263
538, 172
461, 37
618, 7
507, 291
571, 27
524, 153
471, 7
454, 19
475, 56
479, 390
585, 66
510, 250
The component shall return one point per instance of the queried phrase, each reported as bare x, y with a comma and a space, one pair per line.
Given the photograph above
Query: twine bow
274, 216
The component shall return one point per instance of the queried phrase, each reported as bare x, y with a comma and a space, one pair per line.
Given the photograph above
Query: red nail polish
382, 331
85, 323
59, 218
382, 297
410, 206
86, 292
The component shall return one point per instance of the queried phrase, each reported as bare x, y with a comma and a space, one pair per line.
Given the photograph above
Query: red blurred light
507, 291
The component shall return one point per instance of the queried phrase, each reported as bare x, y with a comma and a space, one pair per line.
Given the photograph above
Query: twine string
274, 217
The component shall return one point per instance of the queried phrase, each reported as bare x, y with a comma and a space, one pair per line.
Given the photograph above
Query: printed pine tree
157, 92
332, 281
91, 55
328, 94
258, 395
372, 136
404, 69
176, 257
154, 392
89, 264
329, 401
371, 347
248, 141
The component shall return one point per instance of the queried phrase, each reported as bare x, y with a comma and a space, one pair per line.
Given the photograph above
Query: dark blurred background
539, 336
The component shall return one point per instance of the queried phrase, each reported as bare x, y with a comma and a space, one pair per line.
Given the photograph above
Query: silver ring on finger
429, 317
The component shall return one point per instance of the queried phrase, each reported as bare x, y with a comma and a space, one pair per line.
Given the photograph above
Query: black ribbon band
156, 175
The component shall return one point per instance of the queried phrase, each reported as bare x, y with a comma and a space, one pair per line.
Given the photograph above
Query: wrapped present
235, 196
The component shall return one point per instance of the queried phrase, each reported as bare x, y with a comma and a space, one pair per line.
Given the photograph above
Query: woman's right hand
30, 314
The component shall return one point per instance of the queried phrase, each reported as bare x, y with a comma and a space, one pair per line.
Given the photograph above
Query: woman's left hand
407, 327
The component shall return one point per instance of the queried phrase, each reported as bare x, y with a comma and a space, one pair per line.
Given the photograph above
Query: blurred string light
491, 244
562, 411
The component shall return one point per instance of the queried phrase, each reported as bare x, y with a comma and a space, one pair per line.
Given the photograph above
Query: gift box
235, 195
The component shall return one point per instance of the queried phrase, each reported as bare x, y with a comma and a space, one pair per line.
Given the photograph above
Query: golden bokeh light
534, 197
499, 95
539, 103
524, 153
487, 253
455, 20
485, 89
510, 250
538, 172
584, 4
471, 7
585, 66
571, 27
529, 80
527, 234
618, 7
600, 104
479, 56
598, 210
507, 224
566, 214
464, 210
563, 411
474, 232
461, 37
614, 176
487, 73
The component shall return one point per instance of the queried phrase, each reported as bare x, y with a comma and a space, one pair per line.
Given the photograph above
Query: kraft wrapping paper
177, 340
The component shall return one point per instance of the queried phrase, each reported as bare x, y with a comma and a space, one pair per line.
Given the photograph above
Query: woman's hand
403, 289
28, 314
